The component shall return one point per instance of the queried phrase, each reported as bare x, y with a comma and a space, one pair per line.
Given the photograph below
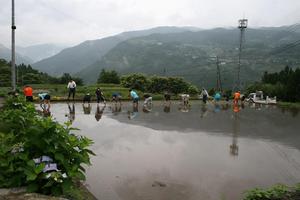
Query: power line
285, 48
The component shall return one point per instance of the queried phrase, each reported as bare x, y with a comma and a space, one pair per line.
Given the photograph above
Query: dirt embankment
20, 194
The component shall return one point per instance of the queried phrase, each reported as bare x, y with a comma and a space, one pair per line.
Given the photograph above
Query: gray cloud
73, 21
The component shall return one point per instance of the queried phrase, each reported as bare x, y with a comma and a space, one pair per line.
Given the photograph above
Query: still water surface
205, 152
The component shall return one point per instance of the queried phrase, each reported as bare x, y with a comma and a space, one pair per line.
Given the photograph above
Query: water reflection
44, 113
167, 106
217, 107
236, 108
293, 111
99, 112
225, 106
185, 107
147, 108
86, 108
133, 114
185, 152
71, 115
116, 108
234, 148
204, 111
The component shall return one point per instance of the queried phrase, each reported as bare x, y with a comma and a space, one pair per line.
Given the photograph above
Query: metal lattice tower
219, 83
243, 23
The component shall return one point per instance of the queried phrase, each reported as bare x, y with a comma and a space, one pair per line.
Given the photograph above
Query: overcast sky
73, 21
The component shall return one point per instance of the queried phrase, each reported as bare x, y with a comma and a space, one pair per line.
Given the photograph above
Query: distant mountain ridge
75, 59
5, 53
190, 55
40, 51
186, 52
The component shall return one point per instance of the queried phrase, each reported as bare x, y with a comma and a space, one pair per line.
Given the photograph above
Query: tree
177, 85
285, 85
136, 81
5, 75
65, 78
108, 77
158, 84
193, 90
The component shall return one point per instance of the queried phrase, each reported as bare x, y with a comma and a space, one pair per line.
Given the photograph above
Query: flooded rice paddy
207, 152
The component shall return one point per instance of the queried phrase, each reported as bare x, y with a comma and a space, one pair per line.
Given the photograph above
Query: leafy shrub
25, 136
158, 84
193, 90
276, 192
136, 81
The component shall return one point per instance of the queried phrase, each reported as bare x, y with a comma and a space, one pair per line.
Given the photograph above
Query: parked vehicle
258, 97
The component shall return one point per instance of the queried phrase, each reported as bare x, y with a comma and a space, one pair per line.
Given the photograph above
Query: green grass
4, 91
289, 105
276, 192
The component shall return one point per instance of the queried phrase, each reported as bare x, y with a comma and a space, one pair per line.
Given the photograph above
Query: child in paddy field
236, 97
167, 97
204, 95
135, 98
45, 102
217, 96
167, 102
100, 96
148, 99
147, 107
185, 99
28, 93
116, 97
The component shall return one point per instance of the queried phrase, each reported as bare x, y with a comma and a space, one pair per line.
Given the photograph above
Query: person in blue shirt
217, 96
134, 96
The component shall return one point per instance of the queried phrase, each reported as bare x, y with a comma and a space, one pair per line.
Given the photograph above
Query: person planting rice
148, 99
28, 93
167, 97
116, 97
100, 96
135, 98
72, 89
204, 95
217, 96
236, 97
185, 99
87, 98
45, 102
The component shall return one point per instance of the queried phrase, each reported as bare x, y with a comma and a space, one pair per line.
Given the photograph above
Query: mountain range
40, 51
182, 51
193, 55
31, 54
5, 53
75, 59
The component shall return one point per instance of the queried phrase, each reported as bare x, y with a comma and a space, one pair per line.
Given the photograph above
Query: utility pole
219, 84
13, 62
243, 23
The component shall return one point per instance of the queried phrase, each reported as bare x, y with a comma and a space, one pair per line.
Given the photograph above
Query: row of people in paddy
116, 97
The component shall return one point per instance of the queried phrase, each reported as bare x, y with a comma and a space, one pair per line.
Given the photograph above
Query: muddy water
201, 152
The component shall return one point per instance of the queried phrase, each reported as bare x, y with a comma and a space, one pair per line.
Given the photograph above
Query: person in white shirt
72, 88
